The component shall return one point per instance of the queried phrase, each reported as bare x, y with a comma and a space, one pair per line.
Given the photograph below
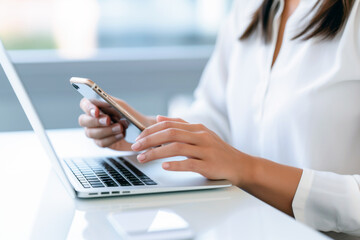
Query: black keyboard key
111, 184
122, 181
125, 184
105, 178
133, 179
108, 180
137, 183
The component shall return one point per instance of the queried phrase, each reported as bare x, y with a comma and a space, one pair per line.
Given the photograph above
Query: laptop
104, 176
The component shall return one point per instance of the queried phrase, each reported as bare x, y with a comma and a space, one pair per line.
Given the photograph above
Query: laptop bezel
31, 113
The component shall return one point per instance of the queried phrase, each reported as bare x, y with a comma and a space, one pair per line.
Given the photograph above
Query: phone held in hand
108, 106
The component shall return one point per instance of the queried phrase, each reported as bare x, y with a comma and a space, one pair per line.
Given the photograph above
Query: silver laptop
108, 175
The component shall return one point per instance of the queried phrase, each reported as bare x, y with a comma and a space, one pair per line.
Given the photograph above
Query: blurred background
149, 52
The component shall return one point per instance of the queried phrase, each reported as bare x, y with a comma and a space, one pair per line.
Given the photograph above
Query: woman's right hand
99, 127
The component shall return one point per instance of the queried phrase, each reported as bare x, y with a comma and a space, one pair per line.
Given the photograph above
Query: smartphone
154, 224
106, 104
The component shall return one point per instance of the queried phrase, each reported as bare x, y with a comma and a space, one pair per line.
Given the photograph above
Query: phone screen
116, 117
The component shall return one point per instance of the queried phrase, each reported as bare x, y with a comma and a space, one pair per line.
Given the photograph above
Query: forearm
271, 182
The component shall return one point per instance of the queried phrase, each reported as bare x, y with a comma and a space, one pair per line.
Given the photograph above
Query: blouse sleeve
209, 107
329, 202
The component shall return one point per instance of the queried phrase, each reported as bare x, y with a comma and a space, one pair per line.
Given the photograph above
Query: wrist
247, 170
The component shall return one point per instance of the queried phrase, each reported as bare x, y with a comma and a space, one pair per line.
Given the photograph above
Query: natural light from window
78, 28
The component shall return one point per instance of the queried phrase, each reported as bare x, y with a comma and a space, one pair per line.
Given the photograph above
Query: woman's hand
99, 127
206, 153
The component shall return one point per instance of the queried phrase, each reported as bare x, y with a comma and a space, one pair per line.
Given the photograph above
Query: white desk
35, 205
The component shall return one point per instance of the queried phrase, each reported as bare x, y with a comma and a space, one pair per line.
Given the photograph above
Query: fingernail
141, 157
119, 136
138, 137
92, 112
102, 121
166, 165
136, 146
117, 128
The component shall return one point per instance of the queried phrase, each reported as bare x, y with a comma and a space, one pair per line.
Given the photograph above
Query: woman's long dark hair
327, 22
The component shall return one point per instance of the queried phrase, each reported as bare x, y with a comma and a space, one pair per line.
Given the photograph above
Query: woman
280, 95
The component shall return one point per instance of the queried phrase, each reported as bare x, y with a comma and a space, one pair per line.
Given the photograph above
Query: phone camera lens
75, 86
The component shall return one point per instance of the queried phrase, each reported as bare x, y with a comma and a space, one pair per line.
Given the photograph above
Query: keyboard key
95, 183
124, 183
112, 184
137, 183
88, 174
92, 178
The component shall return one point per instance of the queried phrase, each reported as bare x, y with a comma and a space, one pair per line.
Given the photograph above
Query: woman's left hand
207, 154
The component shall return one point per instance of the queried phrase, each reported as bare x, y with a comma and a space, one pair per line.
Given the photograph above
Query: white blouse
302, 112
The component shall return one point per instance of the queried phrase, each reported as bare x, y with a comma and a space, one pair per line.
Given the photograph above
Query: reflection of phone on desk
106, 104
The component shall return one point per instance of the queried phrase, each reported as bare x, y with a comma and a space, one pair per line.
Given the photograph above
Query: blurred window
77, 28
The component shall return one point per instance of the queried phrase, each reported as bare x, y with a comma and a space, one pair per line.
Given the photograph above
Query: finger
124, 123
169, 124
170, 150
188, 165
89, 108
92, 122
160, 118
100, 133
107, 142
121, 145
166, 136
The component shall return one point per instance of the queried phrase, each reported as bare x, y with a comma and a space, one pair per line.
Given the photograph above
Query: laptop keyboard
107, 172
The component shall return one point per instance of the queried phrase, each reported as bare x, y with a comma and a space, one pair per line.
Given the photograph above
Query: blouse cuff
302, 194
